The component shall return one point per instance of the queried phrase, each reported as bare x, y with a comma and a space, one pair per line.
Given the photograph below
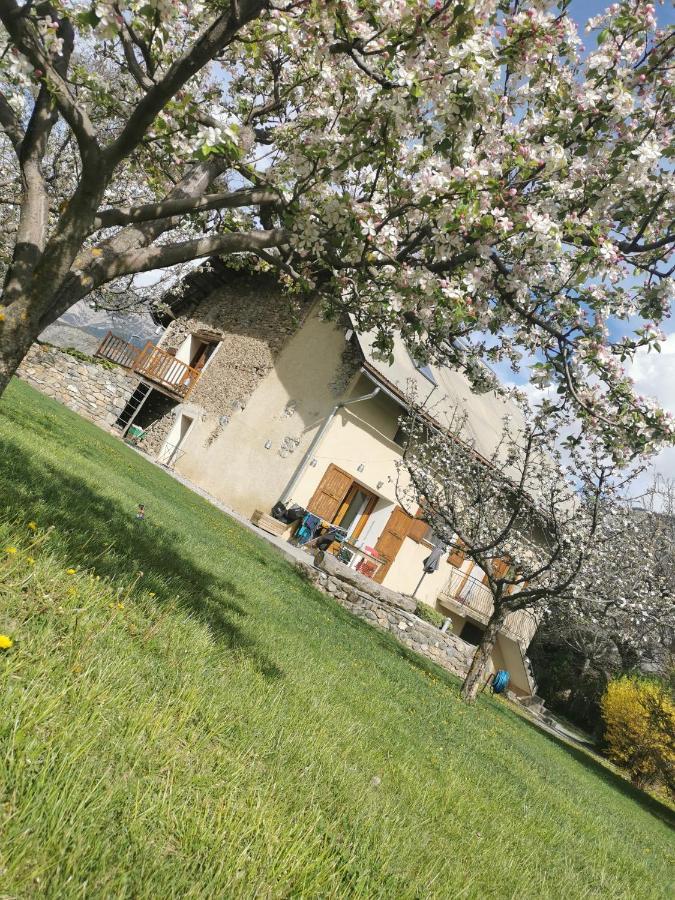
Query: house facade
257, 399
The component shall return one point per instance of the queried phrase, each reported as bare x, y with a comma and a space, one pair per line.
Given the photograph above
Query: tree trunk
478, 671
17, 333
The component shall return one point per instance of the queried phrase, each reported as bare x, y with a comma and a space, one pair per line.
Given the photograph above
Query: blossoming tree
622, 617
461, 172
542, 531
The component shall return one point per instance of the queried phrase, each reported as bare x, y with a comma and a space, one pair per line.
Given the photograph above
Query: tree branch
126, 36
157, 257
214, 39
126, 215
25, 36
10, 124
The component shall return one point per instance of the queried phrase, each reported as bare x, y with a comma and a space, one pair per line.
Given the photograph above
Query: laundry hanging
433, 560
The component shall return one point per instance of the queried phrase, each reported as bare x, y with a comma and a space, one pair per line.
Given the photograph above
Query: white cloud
654, 376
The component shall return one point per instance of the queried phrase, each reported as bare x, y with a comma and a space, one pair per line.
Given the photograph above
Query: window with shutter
330, 493
456, 557
419, 530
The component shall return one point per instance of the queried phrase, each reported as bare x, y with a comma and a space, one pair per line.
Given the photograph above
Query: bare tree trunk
16, 336
478, 671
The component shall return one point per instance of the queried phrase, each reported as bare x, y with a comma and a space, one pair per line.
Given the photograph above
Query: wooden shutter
389, 542
330, 493
500, 567
456, 557
419, 527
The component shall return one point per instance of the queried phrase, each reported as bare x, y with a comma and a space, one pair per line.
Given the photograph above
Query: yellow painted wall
292, 401
406, 571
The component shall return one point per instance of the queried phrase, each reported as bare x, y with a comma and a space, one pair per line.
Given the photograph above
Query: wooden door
330, 493
389, 542
363, 518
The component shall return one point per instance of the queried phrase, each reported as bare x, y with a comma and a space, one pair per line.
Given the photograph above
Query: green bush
640, 730
430, 615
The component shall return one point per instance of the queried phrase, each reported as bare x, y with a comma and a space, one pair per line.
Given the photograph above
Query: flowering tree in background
460, 172
622, 617
541, 532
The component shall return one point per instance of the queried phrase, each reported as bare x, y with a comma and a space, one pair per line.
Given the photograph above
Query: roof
451, 395
190, 290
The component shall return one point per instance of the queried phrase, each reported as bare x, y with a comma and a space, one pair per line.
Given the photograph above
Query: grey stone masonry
96, 392
388, 611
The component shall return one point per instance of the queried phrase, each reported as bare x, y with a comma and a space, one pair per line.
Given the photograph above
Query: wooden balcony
467, 595
171, 375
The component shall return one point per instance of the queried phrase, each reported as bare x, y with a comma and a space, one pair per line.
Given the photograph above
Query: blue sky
584, 9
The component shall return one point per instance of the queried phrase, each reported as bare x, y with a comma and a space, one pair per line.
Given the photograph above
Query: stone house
257, 399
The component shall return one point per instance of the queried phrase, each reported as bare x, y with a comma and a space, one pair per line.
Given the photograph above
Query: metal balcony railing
468, 594
151, 362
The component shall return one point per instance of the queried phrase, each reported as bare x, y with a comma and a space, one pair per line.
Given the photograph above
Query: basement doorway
172, 450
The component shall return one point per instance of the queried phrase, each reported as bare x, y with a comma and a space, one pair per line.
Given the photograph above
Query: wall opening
472, 633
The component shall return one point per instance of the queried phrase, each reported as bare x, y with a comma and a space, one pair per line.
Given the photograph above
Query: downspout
309, 455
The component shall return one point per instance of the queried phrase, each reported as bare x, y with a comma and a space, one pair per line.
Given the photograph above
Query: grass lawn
184, 716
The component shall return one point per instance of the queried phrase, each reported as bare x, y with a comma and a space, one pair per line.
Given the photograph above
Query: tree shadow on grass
97, 532
586, 759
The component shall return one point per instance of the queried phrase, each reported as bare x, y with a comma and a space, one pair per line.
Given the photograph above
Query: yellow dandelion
30, 560
5, 642
10, 550
96, 251
120, 605
2, 316
152, 594
32, 526
72, 571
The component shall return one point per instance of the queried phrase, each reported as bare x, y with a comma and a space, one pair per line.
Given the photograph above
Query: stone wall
96, 392
388, 611
253, 319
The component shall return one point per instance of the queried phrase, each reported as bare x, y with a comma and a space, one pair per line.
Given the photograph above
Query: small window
424, 369
428, 374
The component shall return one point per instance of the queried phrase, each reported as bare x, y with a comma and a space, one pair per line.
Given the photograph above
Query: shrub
640, 730
429, 614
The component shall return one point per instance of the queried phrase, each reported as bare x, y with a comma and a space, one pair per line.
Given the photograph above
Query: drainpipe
309, 455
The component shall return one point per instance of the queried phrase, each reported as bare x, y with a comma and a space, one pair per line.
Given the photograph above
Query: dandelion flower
30, 560
120, 605
72, 571
32, 526
5, 642
10, 550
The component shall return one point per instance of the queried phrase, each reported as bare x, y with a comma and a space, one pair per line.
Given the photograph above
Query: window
428, 374
424, 369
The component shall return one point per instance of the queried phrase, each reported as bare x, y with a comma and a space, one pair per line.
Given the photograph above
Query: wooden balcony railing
174, 376
118, 350
465, 593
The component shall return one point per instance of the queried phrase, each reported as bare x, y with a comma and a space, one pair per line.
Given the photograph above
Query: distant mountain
84, 328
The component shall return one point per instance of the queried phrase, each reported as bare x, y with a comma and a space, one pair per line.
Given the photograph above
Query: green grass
186, 717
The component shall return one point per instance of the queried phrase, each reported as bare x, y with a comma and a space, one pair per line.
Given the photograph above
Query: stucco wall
254, 321
226, 452
97, 392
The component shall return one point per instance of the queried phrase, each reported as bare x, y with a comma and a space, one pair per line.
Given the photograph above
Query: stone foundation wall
253, 320
94, 391
389, 611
